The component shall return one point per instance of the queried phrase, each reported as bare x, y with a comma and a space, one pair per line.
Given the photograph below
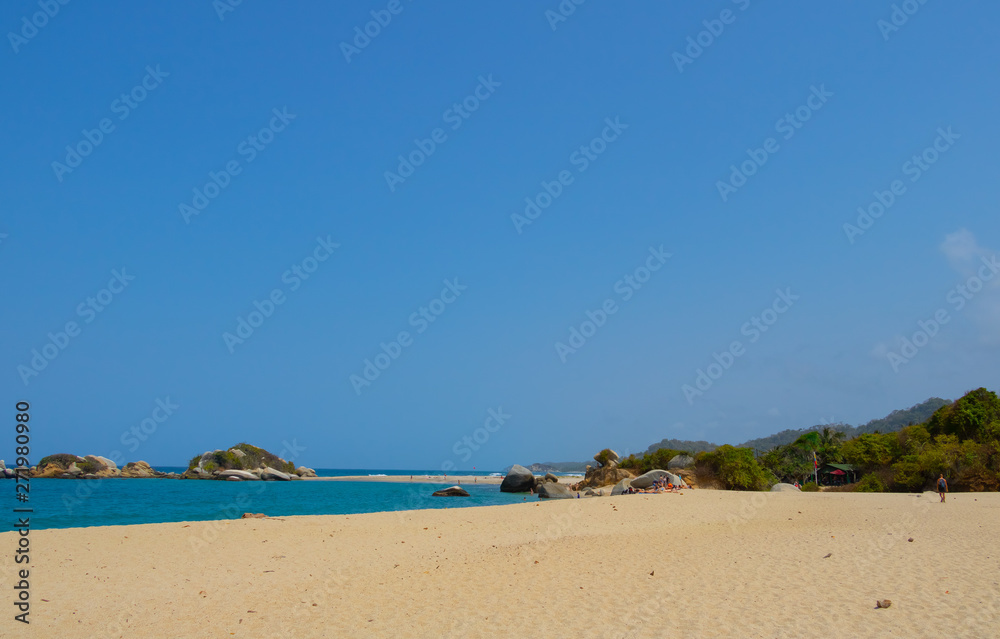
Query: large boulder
518, 480
603, 476
302, 471
621, 487
784, 488
613, 458
677, 462
646, 480
270, 474
239, 474
138, 470
454, 491
103, 460
239, 453
551, 478
548, 490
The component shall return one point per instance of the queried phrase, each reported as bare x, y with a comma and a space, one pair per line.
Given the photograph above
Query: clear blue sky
212, 85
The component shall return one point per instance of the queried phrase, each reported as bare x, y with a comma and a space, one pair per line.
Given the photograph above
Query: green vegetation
683, 444
960, 440
871, 484
62, 460
891, 423
734, 468
603, 457
657, 459
794, 461
810, 487
253, 457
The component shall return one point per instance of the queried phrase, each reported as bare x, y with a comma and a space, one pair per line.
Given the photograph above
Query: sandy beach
453, 480
698, 564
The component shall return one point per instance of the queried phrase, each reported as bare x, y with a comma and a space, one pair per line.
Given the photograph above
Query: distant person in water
942, 484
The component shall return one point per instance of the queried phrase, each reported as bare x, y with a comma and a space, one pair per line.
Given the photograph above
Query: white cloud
978, 287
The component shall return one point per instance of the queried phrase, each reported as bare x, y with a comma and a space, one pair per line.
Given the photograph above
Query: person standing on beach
942, 484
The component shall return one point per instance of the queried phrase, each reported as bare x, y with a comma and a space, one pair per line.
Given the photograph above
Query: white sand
724, 564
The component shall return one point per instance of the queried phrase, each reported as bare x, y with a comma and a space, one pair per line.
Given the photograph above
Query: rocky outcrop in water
454, 491
518, 480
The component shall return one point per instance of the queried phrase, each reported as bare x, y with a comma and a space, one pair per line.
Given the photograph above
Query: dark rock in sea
548, 490
518, 480
454, 491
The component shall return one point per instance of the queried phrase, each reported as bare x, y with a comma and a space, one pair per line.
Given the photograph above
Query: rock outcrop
138, 470
518, 480
604, 476
784, 488
302, 471
621, 487
612, 458
646, 480
548, 490
551, 478
271, 474
454, 491
245, 475
678, 462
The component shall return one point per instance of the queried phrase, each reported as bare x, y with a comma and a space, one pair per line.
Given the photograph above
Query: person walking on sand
942, 484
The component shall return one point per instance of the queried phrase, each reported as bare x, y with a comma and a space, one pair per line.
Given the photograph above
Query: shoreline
457, 480
706, 561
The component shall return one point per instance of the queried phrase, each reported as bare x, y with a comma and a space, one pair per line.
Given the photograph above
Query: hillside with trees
892, 422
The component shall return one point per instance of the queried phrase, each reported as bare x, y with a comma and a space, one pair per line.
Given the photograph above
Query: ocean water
72, 503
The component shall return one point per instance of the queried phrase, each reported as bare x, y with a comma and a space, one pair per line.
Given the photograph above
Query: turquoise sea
71, 503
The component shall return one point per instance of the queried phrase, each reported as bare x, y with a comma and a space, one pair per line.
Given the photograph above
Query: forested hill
892, 422
683, 444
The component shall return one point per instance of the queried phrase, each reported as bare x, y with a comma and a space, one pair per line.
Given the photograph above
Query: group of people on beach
659, 486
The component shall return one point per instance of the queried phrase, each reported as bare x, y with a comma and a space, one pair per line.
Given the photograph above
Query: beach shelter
839, 473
